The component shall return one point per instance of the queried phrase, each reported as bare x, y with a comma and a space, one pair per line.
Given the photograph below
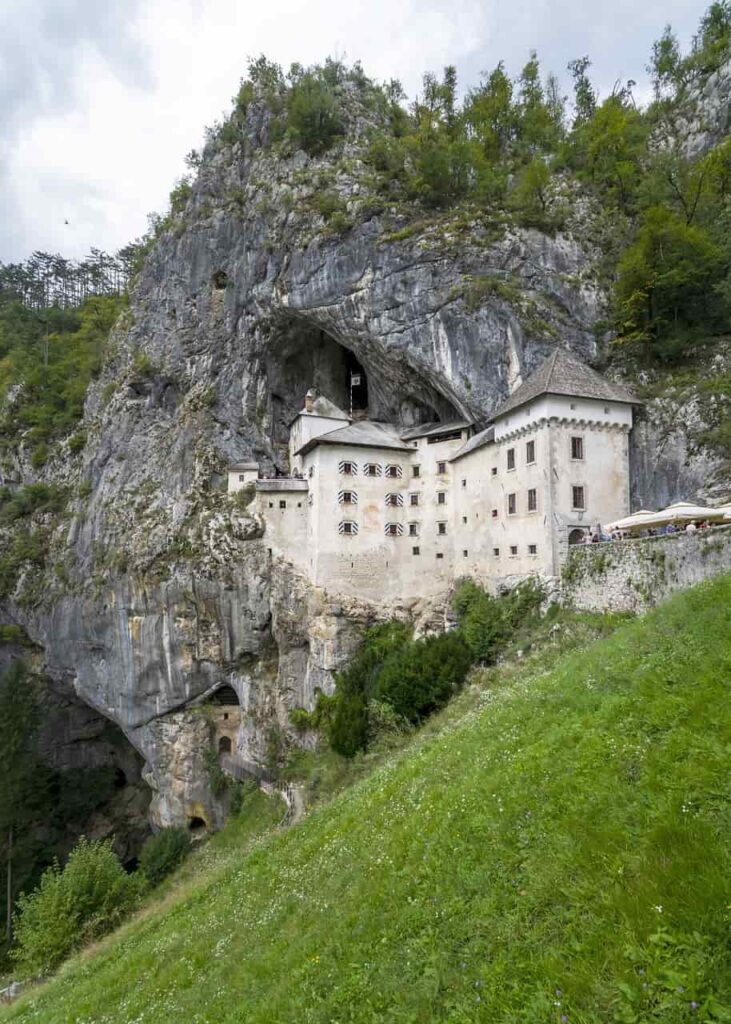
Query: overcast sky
100, 100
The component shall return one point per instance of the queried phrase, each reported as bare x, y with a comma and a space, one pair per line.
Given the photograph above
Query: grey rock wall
635, 575
165, 589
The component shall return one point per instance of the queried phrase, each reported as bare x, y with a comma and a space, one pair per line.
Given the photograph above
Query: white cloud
107, 121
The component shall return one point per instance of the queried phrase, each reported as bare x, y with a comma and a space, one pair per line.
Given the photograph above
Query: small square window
511, 458
577, 448
271, 504
494, 513
299, 504
494, 470
393, 471
464, 520
512, 504
441, 467
578, 497
439, 554
464, 483
496, 552
530, 452
441, 529
606, 410
241, 478
348, 469
415, 551
282, 504
513, 549
572, 405
413, 499
465, 554
532, 549
416, 470
413, 530
532, 499
442, 498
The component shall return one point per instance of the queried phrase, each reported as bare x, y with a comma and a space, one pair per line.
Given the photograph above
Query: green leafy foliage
72, 906
488, 623
410, 678
163, 853
314, 119
47, 358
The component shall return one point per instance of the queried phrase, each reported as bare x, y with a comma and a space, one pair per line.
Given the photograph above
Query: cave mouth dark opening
224, 745
226, 696
382, 384
196, 825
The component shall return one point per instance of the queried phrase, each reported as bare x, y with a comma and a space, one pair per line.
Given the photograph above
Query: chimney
310, 400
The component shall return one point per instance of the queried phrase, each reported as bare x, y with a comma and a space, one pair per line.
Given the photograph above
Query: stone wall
634, 575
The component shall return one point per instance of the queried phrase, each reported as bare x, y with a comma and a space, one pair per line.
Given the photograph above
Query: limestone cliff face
251, 296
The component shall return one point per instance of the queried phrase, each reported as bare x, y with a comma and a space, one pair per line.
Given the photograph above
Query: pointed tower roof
564, 374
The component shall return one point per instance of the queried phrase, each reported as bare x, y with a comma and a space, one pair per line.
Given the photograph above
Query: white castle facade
376, 511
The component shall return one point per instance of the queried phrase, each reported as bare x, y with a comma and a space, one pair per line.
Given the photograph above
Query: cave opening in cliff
382, 384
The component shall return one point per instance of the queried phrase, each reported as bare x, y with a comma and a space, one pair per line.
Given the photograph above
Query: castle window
394, 471
494, 470
530, 452
465, 554
441, 467
416, 470
441, 529
271, 504
532, 500
241, 478
578, 498
413, 499
606, 410
413, 529
496, 552
312, 471
347, 468
394, 529
415, 551
511, 458
512, 504
348, 528
513, 550
464, 483
441, 498
282, 504
395, 500
464, 520
494, 513
532, 549
577, 448
439, 554
372, 469
347, 498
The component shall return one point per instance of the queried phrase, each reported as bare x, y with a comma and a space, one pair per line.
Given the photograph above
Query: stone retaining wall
634, 575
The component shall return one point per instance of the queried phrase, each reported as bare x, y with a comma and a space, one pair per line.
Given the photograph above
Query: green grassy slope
561, 854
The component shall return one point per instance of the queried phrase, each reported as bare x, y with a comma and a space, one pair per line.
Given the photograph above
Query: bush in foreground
163, 852
70, 907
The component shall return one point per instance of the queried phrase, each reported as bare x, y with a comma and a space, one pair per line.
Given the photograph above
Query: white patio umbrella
683, 512
635, 521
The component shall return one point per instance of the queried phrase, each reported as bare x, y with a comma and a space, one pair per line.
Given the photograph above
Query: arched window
224, 745
576, 537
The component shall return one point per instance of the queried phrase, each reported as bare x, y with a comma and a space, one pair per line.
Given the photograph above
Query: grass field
559, 853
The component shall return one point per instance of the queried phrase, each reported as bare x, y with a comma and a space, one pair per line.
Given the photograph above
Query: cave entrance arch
224, 745
383, 385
